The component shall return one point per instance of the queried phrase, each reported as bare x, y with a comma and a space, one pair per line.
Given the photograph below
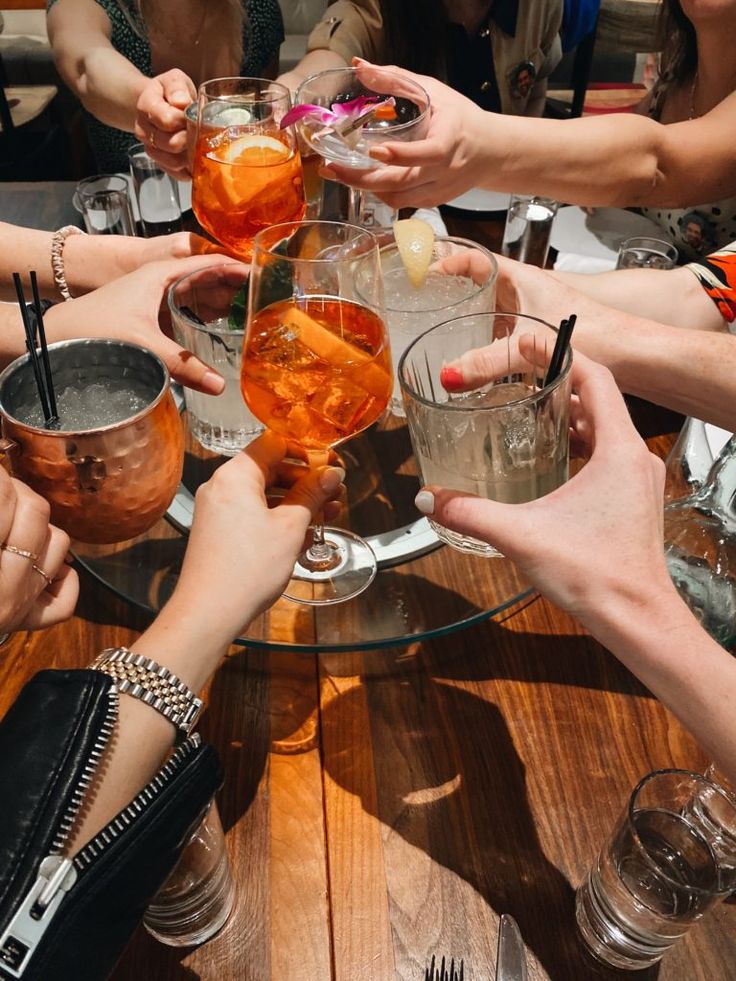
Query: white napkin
571, 262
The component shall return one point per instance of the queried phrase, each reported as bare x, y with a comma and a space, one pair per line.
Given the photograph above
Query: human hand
128, 309
160, 121
241, 552
591, 544
30, 544
427, 172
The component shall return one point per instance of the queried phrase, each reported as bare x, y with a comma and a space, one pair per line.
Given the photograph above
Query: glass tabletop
423, 589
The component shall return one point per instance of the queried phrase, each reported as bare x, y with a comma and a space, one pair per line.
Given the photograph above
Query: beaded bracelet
57, 257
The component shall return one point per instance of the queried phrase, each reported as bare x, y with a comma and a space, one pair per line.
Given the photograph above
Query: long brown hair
414, 33
679, 45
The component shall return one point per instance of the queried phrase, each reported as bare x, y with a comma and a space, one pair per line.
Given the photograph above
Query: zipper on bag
58, 873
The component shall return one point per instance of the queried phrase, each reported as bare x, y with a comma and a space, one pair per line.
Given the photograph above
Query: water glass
208, 309
660, 870
507, 439
528, 228
461, 280
104, 203
642, 252
157, 194
197, 898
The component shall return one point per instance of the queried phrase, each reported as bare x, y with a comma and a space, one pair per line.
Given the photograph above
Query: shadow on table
449, 780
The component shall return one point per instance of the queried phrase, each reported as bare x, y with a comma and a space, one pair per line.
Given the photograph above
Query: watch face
522, 79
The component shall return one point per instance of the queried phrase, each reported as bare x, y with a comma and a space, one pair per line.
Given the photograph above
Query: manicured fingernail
327, 173
451, 377
331, 478
425, 502
213, 381
379, 153
181, 97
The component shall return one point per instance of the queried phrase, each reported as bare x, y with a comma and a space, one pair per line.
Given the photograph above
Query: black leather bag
69, 917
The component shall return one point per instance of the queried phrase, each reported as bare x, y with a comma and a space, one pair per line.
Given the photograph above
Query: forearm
662, 643
670, 297
313, 61
107, 84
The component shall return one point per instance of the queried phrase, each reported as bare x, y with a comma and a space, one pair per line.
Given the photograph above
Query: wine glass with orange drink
317, 370
247, 172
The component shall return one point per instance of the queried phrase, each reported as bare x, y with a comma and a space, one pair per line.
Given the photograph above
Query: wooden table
385, 806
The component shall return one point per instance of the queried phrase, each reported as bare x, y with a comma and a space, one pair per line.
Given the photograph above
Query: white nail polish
425, 502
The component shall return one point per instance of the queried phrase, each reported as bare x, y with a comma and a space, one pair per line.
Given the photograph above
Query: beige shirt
353, 28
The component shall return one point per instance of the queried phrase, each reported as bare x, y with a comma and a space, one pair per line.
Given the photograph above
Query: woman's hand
241, 551
160, 122
427, 172
32, 552
596, 541
128, 309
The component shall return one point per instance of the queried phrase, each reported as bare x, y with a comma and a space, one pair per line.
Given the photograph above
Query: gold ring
152, 140
39, 570
23, 552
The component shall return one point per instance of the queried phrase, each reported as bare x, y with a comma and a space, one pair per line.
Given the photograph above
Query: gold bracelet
57, 257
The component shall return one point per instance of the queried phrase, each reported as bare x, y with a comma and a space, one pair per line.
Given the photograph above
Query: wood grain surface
380, 807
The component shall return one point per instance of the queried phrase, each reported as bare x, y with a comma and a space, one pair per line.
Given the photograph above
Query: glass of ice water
208, 309
461, 279
507, 439
659, 871
528, 228
642, 252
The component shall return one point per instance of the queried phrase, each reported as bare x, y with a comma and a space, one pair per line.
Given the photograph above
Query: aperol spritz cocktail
317, 370
247, 170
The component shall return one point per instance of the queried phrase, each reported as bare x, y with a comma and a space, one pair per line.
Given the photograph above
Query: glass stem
319, 551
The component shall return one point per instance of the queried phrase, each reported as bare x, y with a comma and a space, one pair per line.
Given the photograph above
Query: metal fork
441, 973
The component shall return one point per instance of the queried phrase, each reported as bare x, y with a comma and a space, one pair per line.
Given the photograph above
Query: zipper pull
19, 940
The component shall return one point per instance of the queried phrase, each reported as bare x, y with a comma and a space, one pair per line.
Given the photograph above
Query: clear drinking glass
317, 370
700, 548
156, 192
208, 309
247, 172
461, 280
528, 228
507, 440
642, 252
197, 898
659, 871
338, 86
104, 203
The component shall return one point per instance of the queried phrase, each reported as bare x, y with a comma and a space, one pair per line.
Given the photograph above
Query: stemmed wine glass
403, 114
247, 173
317, 370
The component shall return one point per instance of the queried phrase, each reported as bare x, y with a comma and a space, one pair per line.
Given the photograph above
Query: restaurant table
383, 806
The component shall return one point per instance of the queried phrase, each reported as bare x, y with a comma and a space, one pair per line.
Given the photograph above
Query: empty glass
528, 228
197, 898
157, 194
660, 870
104, 203
461, 280
507, 440
208, 316
642, 252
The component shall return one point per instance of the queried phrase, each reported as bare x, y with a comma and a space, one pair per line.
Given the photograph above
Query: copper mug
105, 484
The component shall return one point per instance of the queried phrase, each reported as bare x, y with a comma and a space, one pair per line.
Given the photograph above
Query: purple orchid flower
338, 112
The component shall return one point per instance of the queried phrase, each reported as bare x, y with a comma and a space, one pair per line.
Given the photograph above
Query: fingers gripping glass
317, 370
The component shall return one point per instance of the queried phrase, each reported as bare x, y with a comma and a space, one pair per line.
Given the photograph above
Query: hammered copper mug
105, 484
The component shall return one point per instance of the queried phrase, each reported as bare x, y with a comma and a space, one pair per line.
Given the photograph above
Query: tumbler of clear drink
156, 192
208, 316
528, 228
197, 898
660, 870
506, 439
104, 203
461, 280
642, 252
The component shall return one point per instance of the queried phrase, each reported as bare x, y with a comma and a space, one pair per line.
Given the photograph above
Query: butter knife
511, 959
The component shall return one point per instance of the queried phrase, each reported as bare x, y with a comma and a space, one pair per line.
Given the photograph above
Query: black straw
31, 346
561, 345
38, 309
188, 312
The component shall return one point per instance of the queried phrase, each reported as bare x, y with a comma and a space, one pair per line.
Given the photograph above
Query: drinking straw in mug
38, 310
31, 346
560, 349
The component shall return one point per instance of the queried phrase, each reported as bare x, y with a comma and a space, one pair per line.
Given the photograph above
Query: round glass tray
423, 589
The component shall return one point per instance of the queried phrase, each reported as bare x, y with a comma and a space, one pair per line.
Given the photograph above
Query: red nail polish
451, 377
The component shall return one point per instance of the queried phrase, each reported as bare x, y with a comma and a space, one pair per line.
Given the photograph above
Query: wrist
92, 261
